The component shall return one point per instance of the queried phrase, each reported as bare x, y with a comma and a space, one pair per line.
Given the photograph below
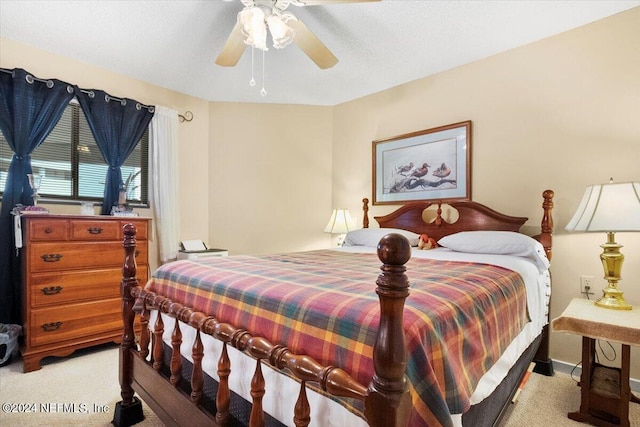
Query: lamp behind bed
609, 207
340, 223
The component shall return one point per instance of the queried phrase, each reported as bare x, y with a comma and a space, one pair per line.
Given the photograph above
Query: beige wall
561, 113
270, 169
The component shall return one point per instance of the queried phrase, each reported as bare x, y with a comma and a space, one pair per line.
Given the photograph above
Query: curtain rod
31, 78
122, 101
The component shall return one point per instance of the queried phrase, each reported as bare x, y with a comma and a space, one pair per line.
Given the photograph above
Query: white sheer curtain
163, 173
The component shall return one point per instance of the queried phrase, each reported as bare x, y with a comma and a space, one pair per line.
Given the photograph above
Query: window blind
72, 166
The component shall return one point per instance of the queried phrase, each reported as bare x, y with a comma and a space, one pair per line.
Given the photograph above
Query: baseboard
576, 371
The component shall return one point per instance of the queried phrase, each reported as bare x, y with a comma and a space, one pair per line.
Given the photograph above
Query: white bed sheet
328, 413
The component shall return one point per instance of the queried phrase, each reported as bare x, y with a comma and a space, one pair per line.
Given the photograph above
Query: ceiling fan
260, 17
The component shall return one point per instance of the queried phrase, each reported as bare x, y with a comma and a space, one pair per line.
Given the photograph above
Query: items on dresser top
71, 273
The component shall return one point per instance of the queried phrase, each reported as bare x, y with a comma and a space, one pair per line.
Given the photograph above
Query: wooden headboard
472, 216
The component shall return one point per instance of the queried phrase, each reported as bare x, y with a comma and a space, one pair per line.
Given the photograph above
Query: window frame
75, 162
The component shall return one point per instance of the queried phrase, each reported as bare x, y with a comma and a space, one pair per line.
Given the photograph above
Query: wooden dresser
71, 274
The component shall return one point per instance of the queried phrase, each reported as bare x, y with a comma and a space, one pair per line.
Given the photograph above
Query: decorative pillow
497, 242
371, 236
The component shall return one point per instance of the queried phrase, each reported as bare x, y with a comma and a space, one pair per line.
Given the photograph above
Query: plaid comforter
459, 316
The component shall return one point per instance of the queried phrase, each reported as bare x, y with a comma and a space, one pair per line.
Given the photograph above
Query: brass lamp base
612, 298
612, 260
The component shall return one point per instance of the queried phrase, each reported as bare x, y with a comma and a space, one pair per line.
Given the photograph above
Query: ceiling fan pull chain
252, 82
263, 92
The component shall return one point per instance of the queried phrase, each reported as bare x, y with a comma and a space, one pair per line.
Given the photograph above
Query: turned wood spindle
257, 392
223, 397
197, 377
302, 410
176, 357
145, 336
158, 347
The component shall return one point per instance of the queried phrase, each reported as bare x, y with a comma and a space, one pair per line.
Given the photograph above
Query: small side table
605, 391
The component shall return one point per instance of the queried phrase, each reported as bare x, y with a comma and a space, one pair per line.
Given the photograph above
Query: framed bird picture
432, 164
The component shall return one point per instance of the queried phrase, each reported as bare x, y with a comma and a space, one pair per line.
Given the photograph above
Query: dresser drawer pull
53, 326
51, 257
94, 230
48, 230
137, 253
52, 290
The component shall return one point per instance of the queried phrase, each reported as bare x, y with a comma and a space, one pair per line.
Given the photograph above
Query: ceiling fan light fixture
260, 17
253, 26
281, 33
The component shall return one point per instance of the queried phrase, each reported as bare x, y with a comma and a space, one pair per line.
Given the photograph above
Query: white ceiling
174, 43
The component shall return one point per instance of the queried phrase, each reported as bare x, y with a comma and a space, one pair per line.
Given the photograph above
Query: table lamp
340, 223
610, 208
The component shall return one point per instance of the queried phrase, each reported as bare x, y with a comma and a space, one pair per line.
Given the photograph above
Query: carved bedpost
547, 222
544, 364
388, 403
365, 211
129, 410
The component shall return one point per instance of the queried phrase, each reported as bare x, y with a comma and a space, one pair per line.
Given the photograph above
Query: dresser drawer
95, 230
80, 255
57, 324
47, 229
69, 287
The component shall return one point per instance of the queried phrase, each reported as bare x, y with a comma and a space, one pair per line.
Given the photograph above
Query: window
72, 167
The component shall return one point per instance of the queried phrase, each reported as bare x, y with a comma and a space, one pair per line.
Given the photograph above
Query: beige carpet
81, 390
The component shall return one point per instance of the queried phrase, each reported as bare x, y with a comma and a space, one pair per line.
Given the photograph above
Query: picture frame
431, 164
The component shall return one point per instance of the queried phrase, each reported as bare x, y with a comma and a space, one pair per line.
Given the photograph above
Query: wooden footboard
386, 400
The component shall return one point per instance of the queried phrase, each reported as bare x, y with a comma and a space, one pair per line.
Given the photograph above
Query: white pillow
497, 242
371, 236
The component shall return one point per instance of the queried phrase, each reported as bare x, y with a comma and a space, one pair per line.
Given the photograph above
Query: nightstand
605, 391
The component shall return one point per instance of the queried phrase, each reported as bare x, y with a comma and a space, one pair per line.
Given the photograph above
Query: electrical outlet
586, 285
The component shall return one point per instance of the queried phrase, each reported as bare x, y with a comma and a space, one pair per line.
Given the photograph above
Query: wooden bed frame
386, 398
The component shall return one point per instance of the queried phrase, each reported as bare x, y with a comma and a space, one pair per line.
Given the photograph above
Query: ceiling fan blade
233, 48
323, 2
312, 46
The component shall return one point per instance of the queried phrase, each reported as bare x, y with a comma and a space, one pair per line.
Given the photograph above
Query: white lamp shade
340, 222
608, 207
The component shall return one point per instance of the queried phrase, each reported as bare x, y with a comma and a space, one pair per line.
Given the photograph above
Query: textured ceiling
174, 44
